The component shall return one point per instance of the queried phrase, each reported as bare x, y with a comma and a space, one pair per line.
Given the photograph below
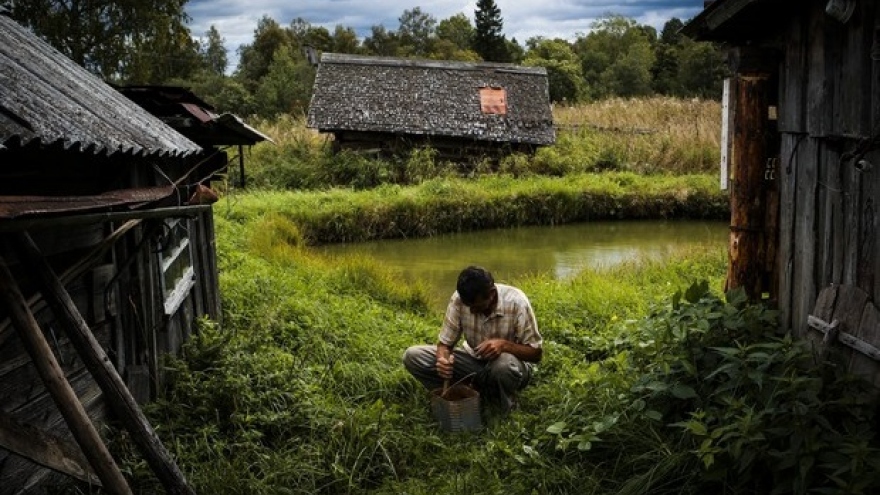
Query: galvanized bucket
458, 409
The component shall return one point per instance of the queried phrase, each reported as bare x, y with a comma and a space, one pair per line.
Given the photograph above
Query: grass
647, 136
456, 205
302, 389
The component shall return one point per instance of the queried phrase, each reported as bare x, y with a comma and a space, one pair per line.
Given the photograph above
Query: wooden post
751, 245
98, 363
56, 384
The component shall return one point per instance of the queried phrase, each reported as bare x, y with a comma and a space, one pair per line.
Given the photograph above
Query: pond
512, 253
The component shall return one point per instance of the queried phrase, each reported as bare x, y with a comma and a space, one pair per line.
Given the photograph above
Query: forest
150, 43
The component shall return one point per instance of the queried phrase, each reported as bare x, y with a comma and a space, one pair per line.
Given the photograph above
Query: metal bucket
458, 410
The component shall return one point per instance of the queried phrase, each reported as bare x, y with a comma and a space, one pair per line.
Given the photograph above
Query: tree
213, 51
255, 58
415, 31
458, 30
115, 38
382, 42
563, 68
287, 87
702, 69
489, 43
617, 57
345, 40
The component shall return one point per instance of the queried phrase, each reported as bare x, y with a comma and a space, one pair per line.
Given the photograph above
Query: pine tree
489, 43
214, 52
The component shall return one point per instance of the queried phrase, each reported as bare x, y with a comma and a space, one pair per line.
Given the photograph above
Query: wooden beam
56, 384
845, 338
98, 363
47, 450
748, 202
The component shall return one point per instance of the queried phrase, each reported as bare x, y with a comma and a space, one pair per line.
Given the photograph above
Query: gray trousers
497, 380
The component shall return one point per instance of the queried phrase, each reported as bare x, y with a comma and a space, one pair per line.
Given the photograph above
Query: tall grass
301, 390
647, 136
456, 205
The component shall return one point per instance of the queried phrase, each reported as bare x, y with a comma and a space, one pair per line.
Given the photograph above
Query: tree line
148, 42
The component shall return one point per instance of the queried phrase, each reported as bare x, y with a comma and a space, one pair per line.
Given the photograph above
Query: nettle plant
751, 402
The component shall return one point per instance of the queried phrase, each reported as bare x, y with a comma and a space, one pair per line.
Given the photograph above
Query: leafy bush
738, 406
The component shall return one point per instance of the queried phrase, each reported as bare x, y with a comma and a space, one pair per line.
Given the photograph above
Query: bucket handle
446, 386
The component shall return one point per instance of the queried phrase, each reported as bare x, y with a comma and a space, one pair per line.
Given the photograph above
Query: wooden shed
107, 259
461, 109
802, 160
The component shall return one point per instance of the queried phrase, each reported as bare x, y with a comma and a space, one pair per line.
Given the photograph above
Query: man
501, 340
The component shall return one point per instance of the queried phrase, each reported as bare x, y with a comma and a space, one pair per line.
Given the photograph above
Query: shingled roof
432, 98
48, 99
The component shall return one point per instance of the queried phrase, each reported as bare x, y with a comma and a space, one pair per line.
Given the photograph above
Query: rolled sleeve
450, 332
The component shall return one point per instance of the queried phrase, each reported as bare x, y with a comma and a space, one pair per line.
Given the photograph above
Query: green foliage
563, 69
128, 42
488, 39
454, 205
287, 86
754, 409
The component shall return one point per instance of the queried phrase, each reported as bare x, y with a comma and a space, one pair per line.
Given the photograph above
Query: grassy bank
640, 391
455, 205
644, 136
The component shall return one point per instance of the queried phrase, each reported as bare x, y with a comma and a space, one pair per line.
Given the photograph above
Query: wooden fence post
754, 209
59, 389
98, 363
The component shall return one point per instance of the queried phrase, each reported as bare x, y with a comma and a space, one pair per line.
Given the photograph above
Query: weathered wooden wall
829, 110
121, 299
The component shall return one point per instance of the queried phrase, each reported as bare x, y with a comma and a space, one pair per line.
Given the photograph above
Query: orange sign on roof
493, 100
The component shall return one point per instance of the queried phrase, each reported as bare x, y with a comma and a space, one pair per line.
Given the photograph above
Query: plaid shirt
513, 320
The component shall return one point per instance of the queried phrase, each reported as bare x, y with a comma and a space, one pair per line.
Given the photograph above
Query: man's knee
417, 357
508, 368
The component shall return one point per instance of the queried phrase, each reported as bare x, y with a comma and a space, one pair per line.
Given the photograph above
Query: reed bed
648, 136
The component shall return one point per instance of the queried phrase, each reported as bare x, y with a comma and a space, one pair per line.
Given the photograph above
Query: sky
236, 20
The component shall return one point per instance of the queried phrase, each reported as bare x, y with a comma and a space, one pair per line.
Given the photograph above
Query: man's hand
444, 366
445, 360
492, 348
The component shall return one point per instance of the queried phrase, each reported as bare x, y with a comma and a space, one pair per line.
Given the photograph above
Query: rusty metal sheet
493, 101
21, 206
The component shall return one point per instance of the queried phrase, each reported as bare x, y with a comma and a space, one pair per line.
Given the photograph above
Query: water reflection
513, 253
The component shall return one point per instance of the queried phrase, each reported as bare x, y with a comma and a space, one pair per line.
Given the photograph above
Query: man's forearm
525, 352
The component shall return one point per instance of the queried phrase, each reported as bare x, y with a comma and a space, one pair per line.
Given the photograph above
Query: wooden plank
823, 311
53, 377
44, 449
865, 269
804, 288
818, 88
868, 332
97, 362
793, 77
852, 199
851, 302
785, 254
850, 45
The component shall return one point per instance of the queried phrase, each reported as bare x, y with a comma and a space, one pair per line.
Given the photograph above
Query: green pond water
512, 253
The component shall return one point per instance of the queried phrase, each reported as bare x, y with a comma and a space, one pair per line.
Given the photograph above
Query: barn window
175, 261
493, 100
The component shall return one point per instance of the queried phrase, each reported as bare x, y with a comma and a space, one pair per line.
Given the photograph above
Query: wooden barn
107, 261
801, 156
387, 105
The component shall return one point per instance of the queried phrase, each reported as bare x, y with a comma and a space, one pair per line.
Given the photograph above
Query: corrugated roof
47, 98
12, 207
192, 116
740, 21
429, 97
